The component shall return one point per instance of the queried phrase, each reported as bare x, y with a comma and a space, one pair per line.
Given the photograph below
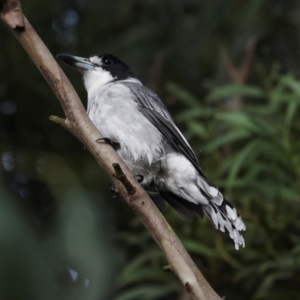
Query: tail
225, 218
219, 211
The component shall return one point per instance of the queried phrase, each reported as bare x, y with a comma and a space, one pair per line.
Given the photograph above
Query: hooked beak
80, 63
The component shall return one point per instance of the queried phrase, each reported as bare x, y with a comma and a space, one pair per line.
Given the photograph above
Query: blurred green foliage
61, 234
257, 150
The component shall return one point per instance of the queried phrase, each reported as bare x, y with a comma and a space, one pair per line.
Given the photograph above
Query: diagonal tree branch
79, 124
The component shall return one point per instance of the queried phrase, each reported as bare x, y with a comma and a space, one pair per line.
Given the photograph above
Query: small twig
119, 174
238, 74
167, 268
61, 121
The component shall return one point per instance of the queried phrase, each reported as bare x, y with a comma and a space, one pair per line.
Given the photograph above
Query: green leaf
194, 113
269, 280
230, 137
296, 250
197, 129
198, 248
148, 292
240, 159
133, 268
183, 95
235, 90
291, 82
238, 119
143, 274
268, 265
291, 111
265, 128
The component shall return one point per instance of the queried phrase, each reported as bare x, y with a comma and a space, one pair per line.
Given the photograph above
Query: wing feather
156, 112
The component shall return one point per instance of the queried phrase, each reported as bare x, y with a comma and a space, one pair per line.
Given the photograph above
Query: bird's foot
106, 140
139, 178
112, 189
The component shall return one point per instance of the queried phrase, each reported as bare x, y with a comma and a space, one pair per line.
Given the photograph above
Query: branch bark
79, 124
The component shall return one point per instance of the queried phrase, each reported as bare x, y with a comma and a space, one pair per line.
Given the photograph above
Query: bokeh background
228, 70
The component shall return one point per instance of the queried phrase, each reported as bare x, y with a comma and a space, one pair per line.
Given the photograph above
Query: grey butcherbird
136, 122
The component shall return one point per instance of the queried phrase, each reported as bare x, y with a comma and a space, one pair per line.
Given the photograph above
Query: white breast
116, 115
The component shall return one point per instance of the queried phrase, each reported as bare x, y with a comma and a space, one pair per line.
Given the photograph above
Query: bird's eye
107, 61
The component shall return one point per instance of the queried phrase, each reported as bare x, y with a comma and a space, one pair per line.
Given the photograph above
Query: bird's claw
112, 189
106, 140
139, 178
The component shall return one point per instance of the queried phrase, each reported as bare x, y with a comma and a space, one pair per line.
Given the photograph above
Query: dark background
228, 70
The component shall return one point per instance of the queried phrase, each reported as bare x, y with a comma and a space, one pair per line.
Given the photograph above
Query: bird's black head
110, 63
98, 70
106, 64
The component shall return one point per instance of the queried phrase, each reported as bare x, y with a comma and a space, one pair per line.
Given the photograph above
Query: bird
135, 121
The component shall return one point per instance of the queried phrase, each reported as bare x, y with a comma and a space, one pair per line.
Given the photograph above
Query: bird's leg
115, 145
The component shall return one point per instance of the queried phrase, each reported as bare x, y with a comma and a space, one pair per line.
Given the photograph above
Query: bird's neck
94, 80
